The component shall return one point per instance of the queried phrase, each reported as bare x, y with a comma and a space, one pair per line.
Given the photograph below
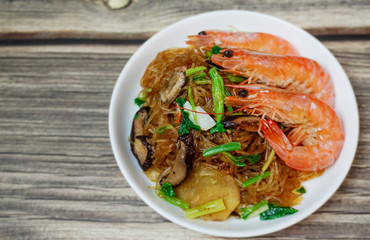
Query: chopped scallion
177, 202
161, 130
199, 76
192, 71
227, 147
235, 79
201, 81
236, 160
190, 95
255, 179
254, 210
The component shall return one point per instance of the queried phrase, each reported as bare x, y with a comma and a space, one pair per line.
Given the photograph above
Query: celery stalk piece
204, 209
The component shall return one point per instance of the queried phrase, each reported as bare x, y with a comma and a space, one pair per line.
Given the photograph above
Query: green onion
217, 93
227, 93
167, 193
236, 160
204, 209
218, 96
192, 71
256, 209
227, 147
190, 95
186, 122
253, 158
177, 202
276, 212
199, 76
201, 81
255, 179
161, 130
235, 79
139, 101
300, 190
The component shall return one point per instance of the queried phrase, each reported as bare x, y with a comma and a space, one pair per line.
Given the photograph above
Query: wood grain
92, 19
59, 179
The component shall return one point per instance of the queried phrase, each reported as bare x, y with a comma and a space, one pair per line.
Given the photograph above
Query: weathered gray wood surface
58, 176
91, 19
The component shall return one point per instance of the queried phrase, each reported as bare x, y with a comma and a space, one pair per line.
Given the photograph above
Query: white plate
122, 110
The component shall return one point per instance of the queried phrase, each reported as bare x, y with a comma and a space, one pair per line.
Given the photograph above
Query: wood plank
58, 176
92, 19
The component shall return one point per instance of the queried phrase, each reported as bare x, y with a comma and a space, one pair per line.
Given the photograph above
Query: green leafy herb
161, 130
135, 116
186, 122
204, 209
276, 212
192, 71
168, 190
139, 101
254, 210
218, 128
301, 190
235, 79
199, 76
253, 158
227, 147
255, 179
216, 49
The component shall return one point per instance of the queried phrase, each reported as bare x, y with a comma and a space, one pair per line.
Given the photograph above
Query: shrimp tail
276, 137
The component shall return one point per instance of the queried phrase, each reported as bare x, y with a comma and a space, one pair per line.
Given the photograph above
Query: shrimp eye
202, 33
228, 53
243, 93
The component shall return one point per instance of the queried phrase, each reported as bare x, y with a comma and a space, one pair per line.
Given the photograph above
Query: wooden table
59, 61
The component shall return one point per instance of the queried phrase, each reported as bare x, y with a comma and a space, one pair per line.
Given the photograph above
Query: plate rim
187, 224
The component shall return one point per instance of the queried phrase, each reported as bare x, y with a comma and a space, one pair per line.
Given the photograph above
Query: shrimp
290, 72
254, 41
317, 137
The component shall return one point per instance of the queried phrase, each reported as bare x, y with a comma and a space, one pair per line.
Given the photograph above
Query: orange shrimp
317, 137
254, 41
290, 72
